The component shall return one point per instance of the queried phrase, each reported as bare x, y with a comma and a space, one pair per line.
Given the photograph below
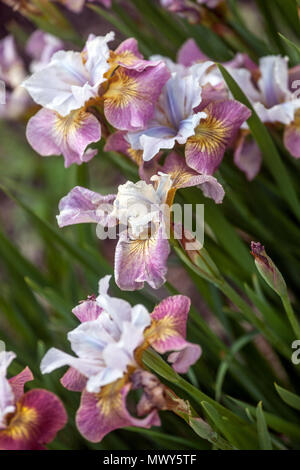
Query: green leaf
288, 397
270, 154
275, 422
233, 432
225, 364
205, 431
262, 429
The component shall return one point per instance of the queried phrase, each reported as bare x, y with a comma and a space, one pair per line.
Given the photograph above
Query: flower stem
291, 315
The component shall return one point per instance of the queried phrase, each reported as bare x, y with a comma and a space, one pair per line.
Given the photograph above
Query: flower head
27, 421
143, 211
109, 344
78, 90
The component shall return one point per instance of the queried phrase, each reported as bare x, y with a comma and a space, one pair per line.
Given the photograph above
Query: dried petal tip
268, 270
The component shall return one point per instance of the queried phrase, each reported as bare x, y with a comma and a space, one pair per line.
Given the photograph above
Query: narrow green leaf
262, 429
288, 397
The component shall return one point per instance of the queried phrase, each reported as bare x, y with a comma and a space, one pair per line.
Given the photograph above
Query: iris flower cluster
142, 108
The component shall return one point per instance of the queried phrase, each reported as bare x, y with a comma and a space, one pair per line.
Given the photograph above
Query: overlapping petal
84, 206
100, 414
168, 331
183, 176
68, 81
205, 150
39, 416
51, 134
130, 99
141, 260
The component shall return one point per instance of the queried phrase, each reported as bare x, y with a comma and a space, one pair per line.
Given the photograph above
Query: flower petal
100, 414
139, 261
88, 310
50, 134
130, 99
292, 137
189, 53
73, 380
247, 156
84, 206
39, 416
17, 383
168, 332
183, 176
127, 55
205, 150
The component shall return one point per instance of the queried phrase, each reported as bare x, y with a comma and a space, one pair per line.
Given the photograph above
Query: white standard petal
97, 55
6, 394
283, 112
54, 86
274, 80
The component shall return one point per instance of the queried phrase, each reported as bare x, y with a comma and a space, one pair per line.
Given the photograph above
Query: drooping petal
98, 415
84, 206
247, 156
51, 134
130, 99
17, 383
168, 331
39, 416
205, 150
183, 176
139, 261
292, 136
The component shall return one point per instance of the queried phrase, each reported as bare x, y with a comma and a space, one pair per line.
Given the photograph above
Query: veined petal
38, 418
130, 99
205, 150
127, 55
84, 206
168, 331
139, 261
73, 380
51, 134
100, 414
183, 176
88, 310
18, 381
247, 156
